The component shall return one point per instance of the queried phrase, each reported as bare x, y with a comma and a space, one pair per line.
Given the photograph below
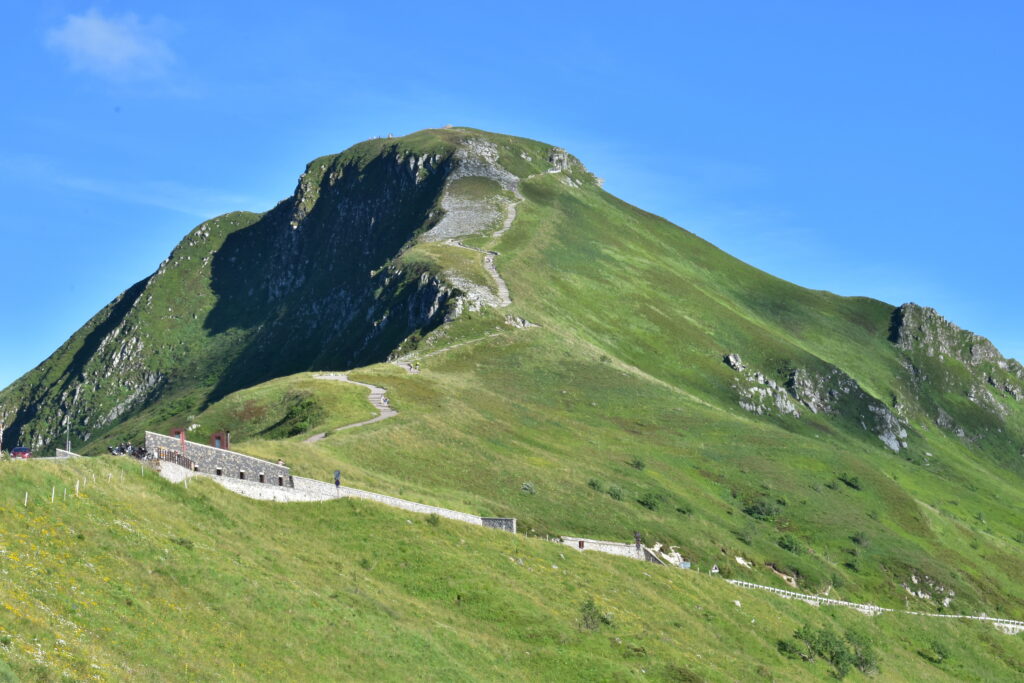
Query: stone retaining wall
209, 459
612, 548
314, 490
504, 523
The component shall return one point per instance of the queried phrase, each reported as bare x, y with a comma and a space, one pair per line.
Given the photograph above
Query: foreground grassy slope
146, 580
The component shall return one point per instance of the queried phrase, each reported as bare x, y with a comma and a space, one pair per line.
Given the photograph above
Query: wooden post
53, 493
76, 488
26, 498
65, 493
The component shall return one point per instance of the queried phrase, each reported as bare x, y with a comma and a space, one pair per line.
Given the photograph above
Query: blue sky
869, 148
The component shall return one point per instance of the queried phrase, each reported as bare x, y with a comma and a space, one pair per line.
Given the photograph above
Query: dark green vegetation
876, 454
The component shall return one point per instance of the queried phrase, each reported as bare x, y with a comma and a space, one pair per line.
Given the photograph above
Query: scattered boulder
735, 362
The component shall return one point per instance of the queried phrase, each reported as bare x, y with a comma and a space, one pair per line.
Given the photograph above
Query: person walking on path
337, 481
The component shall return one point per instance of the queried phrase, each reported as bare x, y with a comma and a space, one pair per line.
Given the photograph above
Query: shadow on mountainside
308, 291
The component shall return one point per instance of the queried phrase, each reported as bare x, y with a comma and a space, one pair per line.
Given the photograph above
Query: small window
219, 471
280, 481
581, 545
241, 474
263, 479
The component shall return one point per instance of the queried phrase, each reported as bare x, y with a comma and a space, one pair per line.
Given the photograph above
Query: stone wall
504, 523
612, 548
64, 455
209, 459
297, 489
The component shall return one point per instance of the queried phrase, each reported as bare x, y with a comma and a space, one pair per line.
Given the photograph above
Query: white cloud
118, 48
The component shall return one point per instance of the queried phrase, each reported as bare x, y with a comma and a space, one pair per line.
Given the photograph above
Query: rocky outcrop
735, 362
942, 360
919, 329
832, 393
758, 393
463, 216
311, 284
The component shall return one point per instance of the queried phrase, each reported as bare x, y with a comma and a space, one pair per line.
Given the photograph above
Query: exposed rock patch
762, 395
461, 217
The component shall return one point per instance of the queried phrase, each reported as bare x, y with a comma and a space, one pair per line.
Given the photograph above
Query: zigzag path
377, 398
510, 217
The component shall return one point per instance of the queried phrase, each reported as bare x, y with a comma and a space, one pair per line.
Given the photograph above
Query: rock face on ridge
946, 364
315, 283
953, 378
831, 392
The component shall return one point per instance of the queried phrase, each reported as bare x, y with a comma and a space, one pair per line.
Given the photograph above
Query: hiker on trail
337, 479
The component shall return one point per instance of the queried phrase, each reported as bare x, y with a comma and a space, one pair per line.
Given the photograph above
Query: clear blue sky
869, 148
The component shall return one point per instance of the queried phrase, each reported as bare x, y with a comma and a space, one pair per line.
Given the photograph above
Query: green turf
614, 414
146, 580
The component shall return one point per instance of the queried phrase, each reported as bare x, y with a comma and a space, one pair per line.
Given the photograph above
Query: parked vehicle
21, 452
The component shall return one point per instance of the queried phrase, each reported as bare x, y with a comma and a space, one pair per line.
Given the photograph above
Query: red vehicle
21, 452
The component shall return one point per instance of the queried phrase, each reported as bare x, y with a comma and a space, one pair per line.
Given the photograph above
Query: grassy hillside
146, 580
857, 449
621, 415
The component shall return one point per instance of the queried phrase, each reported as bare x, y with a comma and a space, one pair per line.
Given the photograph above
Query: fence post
53, 493
26, 498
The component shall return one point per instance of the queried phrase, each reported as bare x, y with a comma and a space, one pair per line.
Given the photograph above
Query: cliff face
321, 281
245, 297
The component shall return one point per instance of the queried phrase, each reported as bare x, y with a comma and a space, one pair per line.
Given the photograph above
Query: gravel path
503, 297
377, 399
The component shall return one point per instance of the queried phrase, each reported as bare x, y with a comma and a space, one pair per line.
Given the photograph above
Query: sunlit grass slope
635, 318
146, 580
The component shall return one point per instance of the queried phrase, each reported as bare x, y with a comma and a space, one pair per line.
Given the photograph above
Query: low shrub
789, 542
764, 510
649, 500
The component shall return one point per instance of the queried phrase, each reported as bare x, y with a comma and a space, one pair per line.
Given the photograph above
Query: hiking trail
377, 398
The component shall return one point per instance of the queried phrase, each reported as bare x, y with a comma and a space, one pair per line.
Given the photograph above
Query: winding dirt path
377, 398
503, 296
510, 216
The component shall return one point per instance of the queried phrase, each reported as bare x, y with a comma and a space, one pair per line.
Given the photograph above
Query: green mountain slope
640, 379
